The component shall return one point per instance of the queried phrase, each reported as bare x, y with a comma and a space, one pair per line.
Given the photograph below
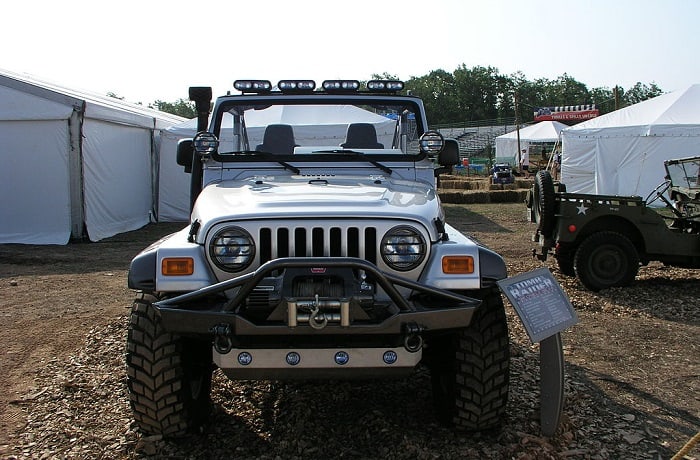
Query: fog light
245, 358
293, 358
341, 358
390, 357
431, 142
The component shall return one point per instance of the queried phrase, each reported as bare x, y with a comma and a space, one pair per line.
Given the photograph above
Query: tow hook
317, 321
222, 338
413, 341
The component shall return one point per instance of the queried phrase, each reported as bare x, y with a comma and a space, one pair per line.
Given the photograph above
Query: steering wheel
657, 192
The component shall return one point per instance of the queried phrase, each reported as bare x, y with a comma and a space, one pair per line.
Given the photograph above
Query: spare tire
543, 203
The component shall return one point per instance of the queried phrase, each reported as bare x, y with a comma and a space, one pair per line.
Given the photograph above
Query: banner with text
566, 113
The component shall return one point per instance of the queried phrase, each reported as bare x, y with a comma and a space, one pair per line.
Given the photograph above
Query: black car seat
361, 136
278, 139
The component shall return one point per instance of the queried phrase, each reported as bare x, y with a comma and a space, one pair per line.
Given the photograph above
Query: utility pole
616, 95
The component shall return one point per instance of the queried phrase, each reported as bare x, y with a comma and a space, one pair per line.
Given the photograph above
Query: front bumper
287, 348
195, 313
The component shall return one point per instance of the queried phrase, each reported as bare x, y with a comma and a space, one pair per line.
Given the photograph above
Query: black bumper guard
183, 315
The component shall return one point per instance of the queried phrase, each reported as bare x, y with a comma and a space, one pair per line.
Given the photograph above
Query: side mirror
185, 152
449, 156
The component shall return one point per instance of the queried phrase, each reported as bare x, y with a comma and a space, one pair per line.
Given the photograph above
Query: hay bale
477, 197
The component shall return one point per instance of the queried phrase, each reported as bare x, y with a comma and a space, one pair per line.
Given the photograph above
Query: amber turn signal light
457, 265
177, 266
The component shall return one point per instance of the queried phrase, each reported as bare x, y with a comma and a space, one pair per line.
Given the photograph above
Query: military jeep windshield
684, 173
307, 126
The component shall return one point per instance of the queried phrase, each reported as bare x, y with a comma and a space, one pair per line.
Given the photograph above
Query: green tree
437, 89
384, 76
566, 90
477, 91
603, 98
180, 107
641, 92
562, 91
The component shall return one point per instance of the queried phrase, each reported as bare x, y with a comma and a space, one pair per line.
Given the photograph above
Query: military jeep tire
169, 377
606, 259
470, 370
543, 203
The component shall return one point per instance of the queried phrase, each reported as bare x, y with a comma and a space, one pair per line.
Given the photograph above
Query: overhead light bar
291, 86
340, 85
253, 86
385, 85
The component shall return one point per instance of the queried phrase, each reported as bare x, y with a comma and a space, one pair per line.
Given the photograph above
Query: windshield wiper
384, 168
267, 156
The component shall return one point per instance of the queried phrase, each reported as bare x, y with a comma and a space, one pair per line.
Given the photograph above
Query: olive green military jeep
603, 239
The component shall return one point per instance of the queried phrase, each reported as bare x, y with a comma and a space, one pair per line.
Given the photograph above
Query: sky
150, 50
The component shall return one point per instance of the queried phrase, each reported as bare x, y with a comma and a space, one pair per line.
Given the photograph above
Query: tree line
483, 93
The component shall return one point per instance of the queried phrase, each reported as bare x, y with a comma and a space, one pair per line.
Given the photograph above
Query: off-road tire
470, 370
606, 259
543, 203
169, 377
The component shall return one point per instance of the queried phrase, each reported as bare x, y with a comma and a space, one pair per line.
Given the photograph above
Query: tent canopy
622, 152
74, 162
507, 144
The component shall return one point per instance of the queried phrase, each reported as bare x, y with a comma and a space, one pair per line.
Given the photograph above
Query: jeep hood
315, 198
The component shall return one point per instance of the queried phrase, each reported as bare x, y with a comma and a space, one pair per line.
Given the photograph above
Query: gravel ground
632, 375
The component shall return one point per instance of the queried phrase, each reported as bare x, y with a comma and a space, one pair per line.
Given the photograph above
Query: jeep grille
276, 242
320, 238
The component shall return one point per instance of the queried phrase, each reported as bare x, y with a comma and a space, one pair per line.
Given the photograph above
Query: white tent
507, 144
622, 152
73, 162
325, 125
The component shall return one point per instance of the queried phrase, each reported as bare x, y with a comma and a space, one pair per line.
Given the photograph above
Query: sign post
545, 311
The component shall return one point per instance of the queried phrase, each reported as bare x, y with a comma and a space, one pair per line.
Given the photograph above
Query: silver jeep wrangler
317, 248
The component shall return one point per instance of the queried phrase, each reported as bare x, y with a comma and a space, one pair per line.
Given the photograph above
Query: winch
318, 313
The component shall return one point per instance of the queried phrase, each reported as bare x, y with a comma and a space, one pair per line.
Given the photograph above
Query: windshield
684, 173
318, 125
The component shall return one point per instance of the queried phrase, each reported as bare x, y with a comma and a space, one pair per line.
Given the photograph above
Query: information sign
540, 302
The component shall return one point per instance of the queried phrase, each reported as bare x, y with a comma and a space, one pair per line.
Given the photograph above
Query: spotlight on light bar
291, 86
341, 85
253, 86
385, 85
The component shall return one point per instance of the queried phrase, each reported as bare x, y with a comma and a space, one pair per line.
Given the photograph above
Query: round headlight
232, 249
403, 248
431, 142
205, 143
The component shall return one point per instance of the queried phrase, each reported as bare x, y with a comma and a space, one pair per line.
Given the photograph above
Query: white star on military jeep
582, 209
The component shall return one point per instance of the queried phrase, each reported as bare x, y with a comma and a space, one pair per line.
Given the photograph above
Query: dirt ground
633, 367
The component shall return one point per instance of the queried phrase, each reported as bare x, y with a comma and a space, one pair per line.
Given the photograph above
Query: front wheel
606, 259
470, 370
168, 376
